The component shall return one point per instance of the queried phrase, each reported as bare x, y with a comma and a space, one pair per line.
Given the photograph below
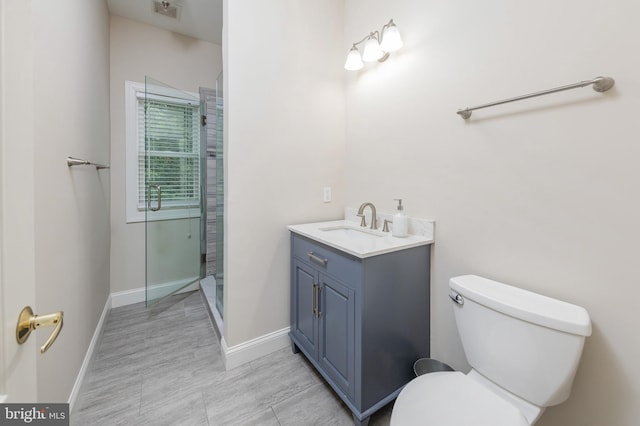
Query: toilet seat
452, 399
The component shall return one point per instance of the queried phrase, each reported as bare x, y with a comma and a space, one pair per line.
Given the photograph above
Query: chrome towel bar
600, 84
71, 161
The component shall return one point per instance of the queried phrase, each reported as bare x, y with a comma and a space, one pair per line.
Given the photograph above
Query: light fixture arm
377, 35
365, 38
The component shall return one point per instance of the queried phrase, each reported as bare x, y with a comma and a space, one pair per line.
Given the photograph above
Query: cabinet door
337, 328
304, 325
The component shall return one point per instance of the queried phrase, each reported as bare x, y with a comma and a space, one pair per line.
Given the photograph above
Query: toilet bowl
453, 399
524, 350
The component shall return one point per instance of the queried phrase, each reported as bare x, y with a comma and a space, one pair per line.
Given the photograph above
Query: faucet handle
363, 220
385, 227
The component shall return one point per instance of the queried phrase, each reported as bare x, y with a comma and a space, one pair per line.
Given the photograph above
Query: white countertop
360, 247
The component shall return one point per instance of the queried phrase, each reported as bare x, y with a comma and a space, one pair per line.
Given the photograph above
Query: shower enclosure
213, 284
171, 188
219, 274
182, 187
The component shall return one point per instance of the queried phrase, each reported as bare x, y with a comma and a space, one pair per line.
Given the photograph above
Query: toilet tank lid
523, 304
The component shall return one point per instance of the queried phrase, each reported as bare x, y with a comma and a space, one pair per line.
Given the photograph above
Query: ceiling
201, 19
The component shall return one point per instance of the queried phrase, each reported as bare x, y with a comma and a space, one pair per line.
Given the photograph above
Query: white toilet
523, 349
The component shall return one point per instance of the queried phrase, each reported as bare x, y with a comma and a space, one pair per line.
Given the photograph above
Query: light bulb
391, 40
372, 51
354, 61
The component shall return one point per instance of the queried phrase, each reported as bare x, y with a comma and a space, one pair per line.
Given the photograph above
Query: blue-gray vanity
360, 309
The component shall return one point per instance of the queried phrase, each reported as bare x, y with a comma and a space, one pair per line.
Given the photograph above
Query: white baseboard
127, 297
97, 334
250, 350
137, 295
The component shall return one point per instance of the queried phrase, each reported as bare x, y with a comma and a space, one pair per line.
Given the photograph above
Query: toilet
523, 349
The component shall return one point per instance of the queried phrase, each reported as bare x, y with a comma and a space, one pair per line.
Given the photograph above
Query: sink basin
353, 233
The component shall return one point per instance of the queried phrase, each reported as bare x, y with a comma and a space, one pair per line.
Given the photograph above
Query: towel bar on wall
71, 161
600, 84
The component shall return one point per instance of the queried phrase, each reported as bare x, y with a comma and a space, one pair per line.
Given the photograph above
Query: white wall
59, 226
139, 50
71, 117
284, 141
542, 194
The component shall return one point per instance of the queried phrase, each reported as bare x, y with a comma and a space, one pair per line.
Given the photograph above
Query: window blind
168, 153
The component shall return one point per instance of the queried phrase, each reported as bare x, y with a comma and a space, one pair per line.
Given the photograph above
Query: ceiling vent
167, 9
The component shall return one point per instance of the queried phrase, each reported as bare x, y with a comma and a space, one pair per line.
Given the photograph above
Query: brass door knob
27, 322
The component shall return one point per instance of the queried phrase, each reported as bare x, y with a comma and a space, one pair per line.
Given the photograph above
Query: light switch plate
326, 194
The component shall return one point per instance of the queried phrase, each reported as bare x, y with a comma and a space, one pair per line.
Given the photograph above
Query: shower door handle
159, 192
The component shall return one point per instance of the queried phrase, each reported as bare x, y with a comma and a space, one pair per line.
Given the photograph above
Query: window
163, 150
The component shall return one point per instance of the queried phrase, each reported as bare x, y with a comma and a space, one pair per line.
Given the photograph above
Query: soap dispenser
400, 222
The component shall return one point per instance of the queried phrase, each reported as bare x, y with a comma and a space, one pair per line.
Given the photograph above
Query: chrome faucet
374, 221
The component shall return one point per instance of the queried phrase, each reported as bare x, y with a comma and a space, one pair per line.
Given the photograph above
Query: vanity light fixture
377, 46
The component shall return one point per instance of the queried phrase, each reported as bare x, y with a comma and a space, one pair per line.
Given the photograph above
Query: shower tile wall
209, 96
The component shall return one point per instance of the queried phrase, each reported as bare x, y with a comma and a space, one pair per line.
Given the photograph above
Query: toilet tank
524, 342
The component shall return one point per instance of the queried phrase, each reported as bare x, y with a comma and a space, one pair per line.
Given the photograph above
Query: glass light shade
354, 61
391, 40
372, 51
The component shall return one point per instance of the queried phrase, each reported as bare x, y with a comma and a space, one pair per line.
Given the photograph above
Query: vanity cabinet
324, 323
362, 322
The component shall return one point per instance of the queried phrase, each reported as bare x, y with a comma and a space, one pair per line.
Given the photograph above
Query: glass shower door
172, 182
219, 195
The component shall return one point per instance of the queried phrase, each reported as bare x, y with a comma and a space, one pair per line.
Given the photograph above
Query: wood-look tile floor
162, 366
